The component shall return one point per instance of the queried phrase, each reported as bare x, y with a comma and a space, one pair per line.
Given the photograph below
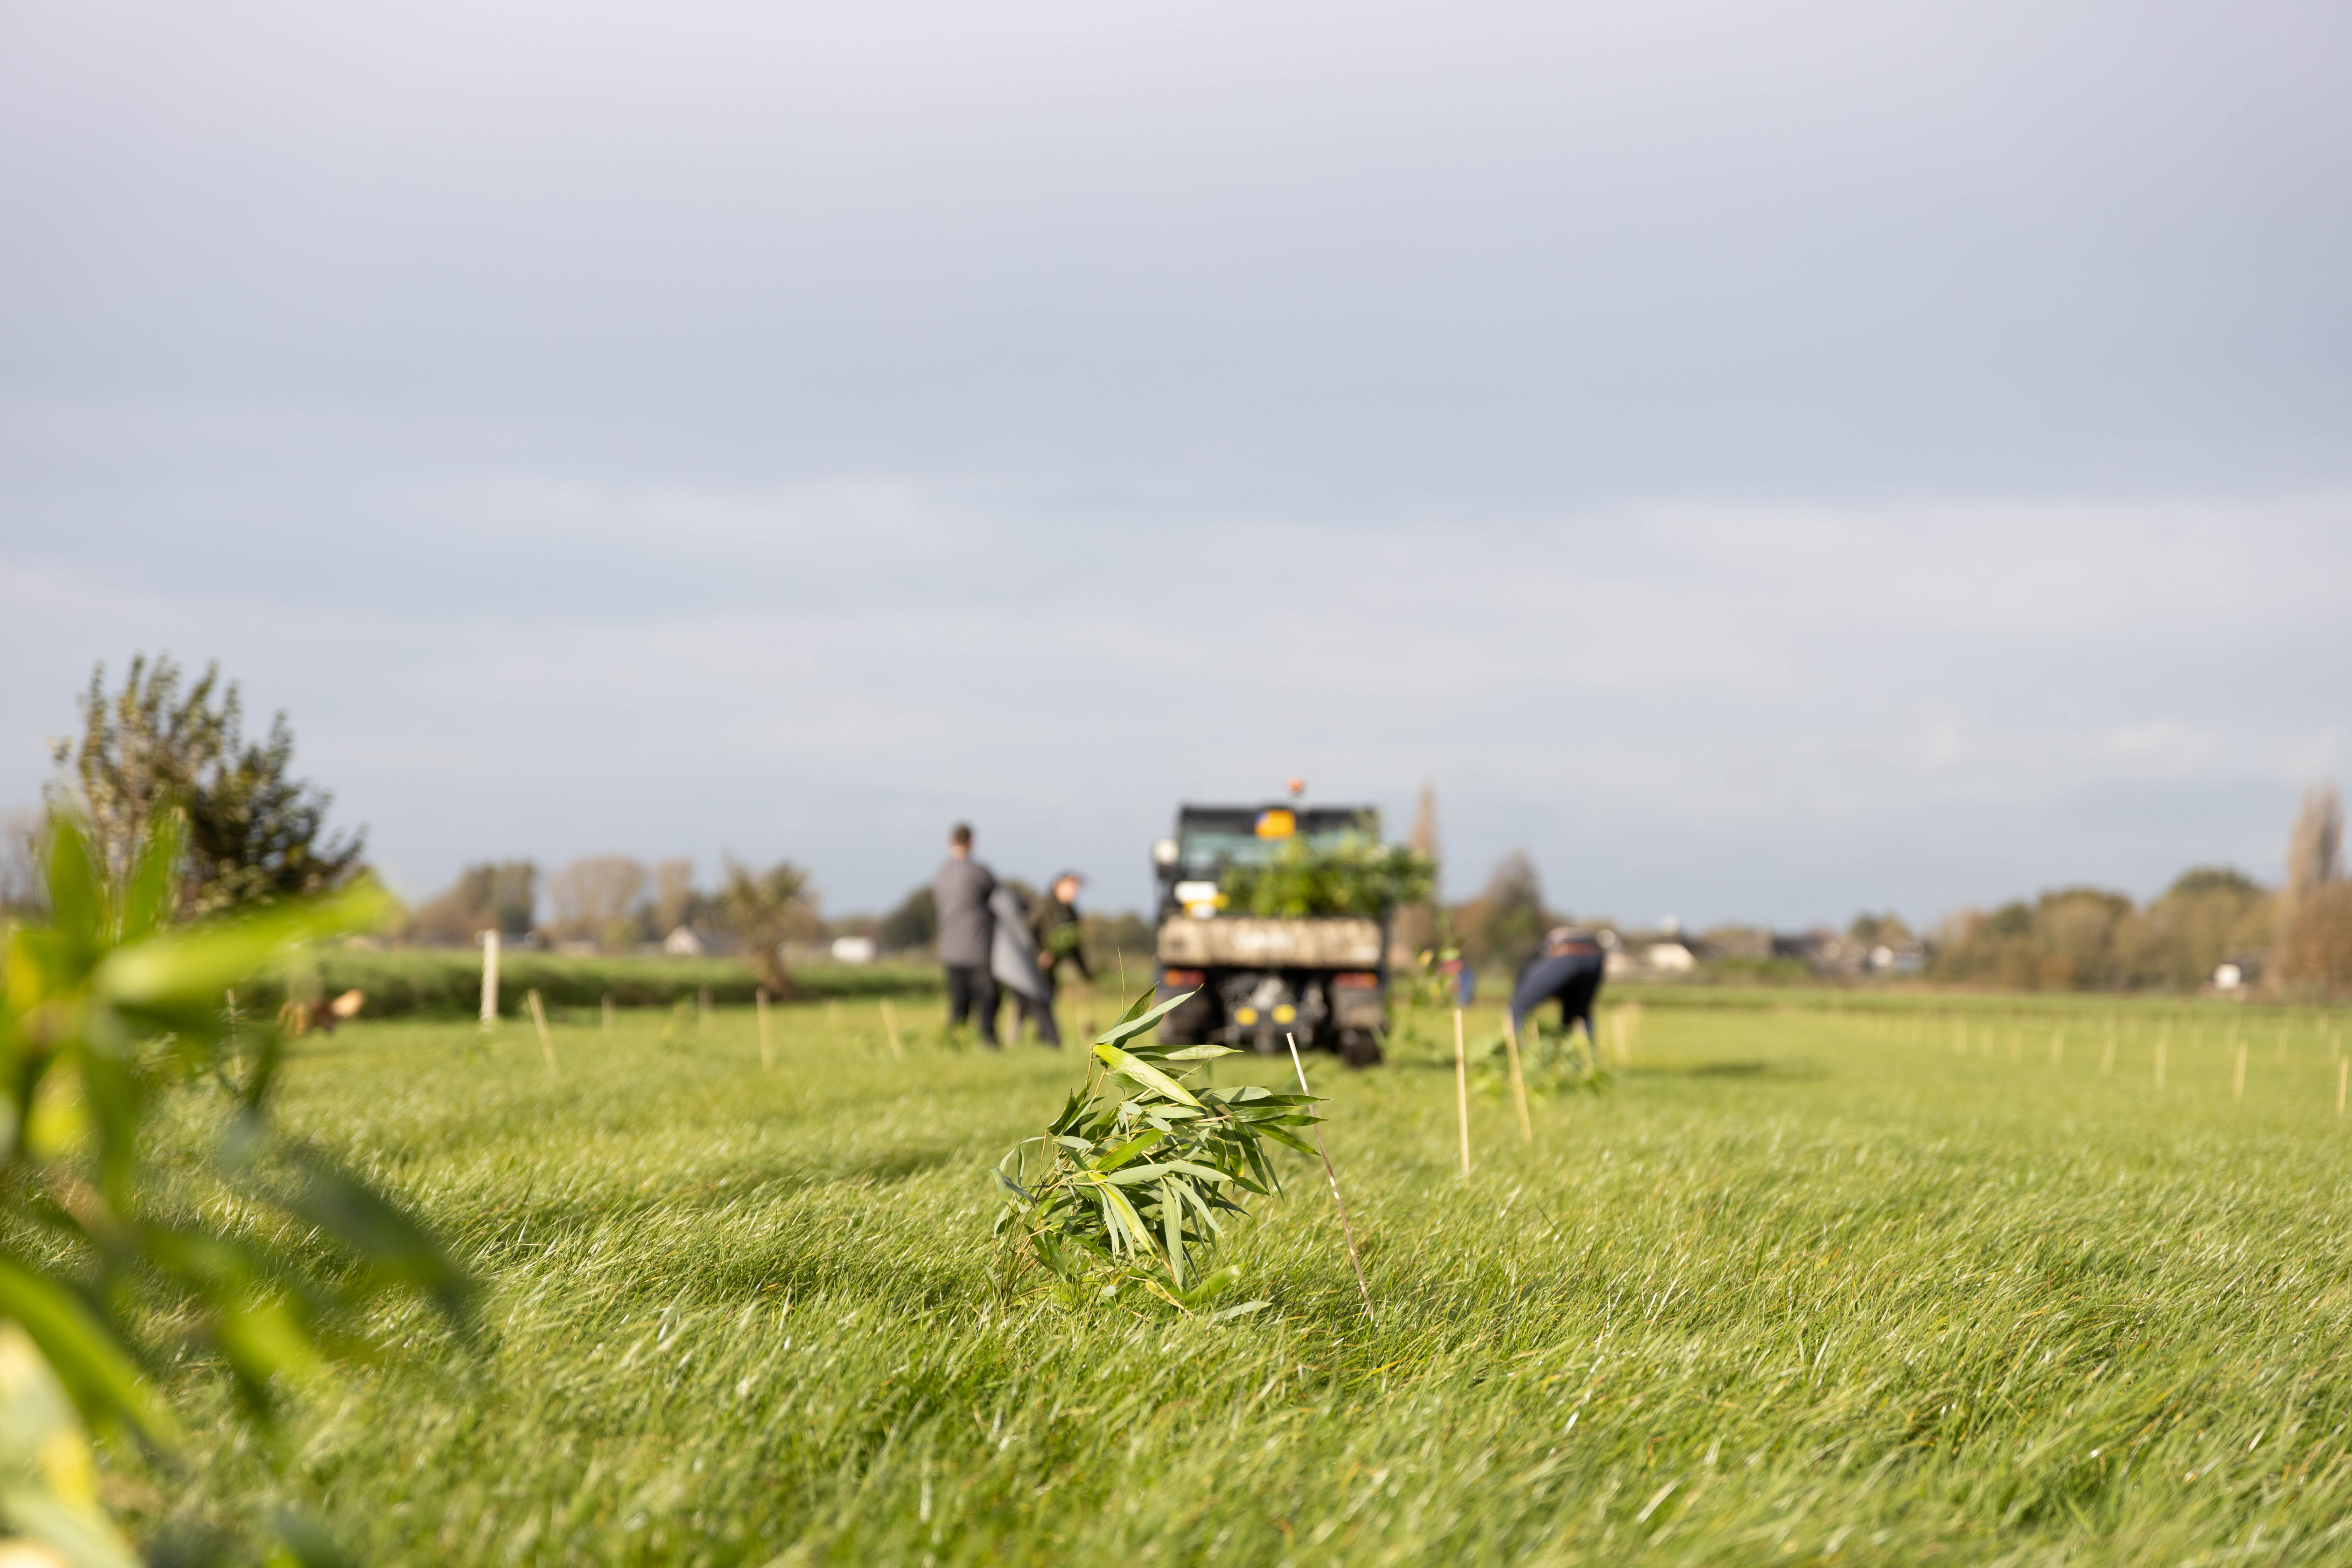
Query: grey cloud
1765, 461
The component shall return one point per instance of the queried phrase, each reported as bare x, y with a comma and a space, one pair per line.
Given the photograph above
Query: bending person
1566, 969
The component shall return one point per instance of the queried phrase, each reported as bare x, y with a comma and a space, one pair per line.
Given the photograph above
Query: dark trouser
1572, 979
972, 990
1038, 1013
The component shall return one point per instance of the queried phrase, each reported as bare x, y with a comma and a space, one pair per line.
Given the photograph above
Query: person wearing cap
1566, 969
1054, 925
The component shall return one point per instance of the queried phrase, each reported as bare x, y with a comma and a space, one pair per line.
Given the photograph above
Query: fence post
489, 978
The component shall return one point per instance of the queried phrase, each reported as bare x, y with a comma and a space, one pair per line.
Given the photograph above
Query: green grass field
1801, 1285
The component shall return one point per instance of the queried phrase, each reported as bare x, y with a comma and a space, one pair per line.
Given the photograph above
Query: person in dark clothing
1054, 926
960, 892
1566, 969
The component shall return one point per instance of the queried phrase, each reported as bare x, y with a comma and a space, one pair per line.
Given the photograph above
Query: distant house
682, 944
853, 949
1670, 958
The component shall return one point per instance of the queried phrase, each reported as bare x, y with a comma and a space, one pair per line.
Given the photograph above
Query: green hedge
445, 983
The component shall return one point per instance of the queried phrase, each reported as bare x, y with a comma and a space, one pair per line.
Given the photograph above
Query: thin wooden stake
767, 1051
890, 1027
1518, 1084
1332, 1176
539, 1021
608, 1012
702, 1007
1462, 1089
489, 979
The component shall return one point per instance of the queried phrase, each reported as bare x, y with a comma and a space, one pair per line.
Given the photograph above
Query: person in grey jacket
960, 892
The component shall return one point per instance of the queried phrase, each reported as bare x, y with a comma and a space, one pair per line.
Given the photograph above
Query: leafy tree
265, 1255
254, 833
2204, 881
761, 909
915, 923
1504, 923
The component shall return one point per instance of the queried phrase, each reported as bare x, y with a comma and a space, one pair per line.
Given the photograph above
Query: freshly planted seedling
1136, 1170
1554, 1061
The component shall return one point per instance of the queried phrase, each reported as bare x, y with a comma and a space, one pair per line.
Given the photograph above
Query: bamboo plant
1138, 1169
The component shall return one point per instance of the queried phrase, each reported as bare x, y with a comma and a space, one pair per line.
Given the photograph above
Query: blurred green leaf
1139, 1019
397, 1249
97, 1371
197, 965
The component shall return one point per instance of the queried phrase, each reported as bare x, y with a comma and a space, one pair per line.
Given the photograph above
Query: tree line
256, 834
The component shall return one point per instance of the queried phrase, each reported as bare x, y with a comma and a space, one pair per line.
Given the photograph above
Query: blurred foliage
1552, 1061
600, 899
1353, 874
106, 1013
441, 983
252, 831
2313, 955
913, 925
493, 895
1140, 1165
760, 909
1502, 926
2092, 938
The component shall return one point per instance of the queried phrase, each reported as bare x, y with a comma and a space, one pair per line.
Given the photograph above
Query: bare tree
2313, 943
596, 898
2314, 849
675, 900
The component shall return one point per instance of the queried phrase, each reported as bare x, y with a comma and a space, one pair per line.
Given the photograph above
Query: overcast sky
1766, 461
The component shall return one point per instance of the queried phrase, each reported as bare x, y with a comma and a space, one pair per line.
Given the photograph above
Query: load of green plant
260, 1259
1353, 874
1135, 1171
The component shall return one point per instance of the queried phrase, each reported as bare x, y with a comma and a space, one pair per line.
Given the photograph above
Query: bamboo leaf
196, 965
1137, 1023
1144, 1073
106, 1384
